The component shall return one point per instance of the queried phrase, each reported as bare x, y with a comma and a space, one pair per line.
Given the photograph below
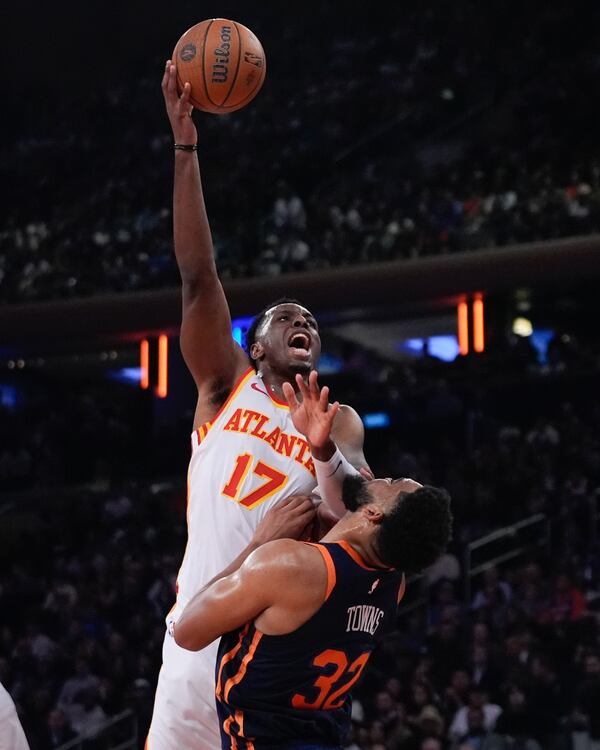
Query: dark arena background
425, 177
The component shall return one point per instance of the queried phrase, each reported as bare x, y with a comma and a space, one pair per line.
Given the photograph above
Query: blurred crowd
515, 666
53, 434
83, 608
428, 131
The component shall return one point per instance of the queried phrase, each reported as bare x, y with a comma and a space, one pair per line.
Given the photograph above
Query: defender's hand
286, 520
179, 108
313, 416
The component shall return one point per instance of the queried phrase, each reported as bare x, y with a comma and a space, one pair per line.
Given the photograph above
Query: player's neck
274, 381
351, 530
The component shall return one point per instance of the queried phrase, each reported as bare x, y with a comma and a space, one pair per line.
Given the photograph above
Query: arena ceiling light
522, 327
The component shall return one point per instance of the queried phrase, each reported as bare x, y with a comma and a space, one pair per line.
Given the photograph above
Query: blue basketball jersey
292, 691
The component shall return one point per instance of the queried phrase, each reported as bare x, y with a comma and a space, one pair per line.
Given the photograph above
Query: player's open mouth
299, 343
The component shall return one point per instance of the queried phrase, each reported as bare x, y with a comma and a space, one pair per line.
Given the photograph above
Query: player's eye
283, 317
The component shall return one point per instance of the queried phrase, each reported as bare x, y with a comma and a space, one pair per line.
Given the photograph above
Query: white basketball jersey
244, 461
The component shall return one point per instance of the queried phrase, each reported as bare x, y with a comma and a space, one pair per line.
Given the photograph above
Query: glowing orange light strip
478, 332
144, 364
462, 312
163, 350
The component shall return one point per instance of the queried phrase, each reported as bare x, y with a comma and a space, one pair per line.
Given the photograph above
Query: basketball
224, 63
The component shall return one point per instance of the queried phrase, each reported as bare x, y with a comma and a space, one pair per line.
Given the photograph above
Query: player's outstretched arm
282, 582
335, 435
212, 356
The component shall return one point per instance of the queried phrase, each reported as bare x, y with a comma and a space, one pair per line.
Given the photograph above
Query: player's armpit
348, 433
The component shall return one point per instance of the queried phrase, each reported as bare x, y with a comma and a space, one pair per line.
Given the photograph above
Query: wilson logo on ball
188, 52
220, 66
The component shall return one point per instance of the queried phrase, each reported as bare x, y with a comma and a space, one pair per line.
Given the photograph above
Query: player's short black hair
417, 531
255, 325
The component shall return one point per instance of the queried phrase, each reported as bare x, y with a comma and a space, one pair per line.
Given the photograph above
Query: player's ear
257, 350
372, 513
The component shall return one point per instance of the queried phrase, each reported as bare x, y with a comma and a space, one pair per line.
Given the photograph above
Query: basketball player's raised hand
313, 416
179, 108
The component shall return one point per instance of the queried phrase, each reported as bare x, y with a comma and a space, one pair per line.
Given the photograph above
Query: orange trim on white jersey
201, 432
274, 398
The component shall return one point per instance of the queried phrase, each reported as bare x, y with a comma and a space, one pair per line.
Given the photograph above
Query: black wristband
186, 146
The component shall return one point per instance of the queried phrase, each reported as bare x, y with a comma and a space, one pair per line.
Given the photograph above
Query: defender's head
410, 524
284, 338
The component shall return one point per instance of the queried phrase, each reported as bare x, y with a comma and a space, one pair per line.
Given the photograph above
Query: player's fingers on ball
185, 95
165, 77
172, 82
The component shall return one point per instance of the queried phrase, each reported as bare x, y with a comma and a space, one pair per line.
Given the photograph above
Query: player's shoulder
282, 553
286, 562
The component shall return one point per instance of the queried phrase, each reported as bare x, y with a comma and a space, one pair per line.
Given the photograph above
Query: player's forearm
323, 452
331, 469
191, 230
192, 630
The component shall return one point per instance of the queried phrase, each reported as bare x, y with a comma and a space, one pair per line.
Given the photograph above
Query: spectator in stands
456, 694
478, 704
430, 723
445, 605
447, 649
483, 672
516, 721
477, 736
567, 602
547, 699
86, 715
74, 686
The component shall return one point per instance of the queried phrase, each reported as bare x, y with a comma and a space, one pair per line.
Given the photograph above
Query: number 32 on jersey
274, 481
337, 678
